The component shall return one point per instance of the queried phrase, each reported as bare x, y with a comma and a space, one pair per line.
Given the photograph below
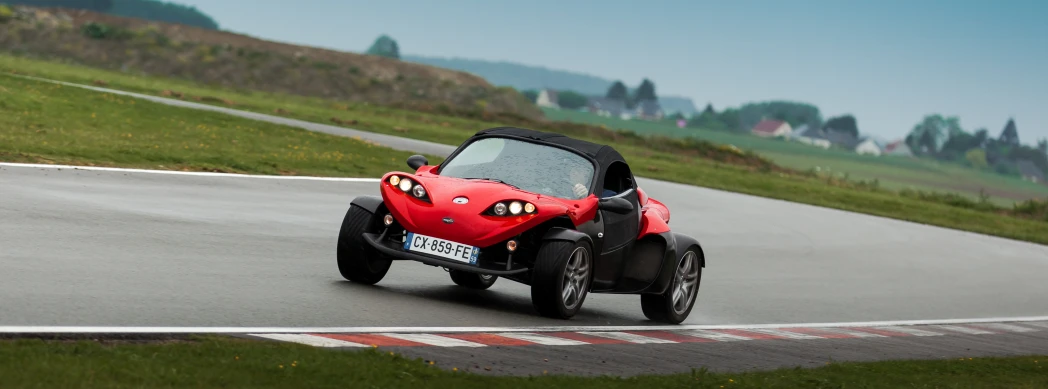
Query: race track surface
102, 248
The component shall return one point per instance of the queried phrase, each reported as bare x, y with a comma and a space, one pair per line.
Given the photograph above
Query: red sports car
562, 215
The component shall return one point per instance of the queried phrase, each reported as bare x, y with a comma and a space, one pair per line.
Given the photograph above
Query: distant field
893, 172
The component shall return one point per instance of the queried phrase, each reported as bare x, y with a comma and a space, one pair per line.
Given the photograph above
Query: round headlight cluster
514, 208
406, 185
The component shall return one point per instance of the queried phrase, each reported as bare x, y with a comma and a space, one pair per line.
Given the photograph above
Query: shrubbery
103, 31
6, 13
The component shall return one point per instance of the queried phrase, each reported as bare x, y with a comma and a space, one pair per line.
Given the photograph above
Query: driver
577, 175
579, 178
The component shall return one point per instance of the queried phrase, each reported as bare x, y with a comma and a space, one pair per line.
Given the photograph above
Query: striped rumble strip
511, 338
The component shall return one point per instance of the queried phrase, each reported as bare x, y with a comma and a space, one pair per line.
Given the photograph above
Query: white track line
713, 335
176, 172
311, 340
1005, 327
784, 333
545, 340
358, 330
434, 340
910, 331
964, 329
625, 336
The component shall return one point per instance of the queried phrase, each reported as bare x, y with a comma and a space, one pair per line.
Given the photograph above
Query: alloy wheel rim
576, 273
685, 282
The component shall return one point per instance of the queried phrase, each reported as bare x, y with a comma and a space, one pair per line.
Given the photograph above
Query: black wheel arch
373, 204
676, 243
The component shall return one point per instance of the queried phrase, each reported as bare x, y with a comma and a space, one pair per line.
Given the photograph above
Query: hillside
240, 61
524, 77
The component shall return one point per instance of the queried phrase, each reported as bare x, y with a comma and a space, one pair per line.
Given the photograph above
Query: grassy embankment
230, 362
893, 172
49, 123
690, 162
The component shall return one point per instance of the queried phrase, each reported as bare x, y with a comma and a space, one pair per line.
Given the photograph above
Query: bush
96, 30
6, 13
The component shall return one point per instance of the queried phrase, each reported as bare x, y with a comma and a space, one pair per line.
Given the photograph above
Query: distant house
649, 110
604, 106
898, 147
1029, 171
772, 128
842, 139
809, 136
868, 146
547, 98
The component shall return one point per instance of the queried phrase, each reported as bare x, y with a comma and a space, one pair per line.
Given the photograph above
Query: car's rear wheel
675, 304
357, 260
472, 280
561, 278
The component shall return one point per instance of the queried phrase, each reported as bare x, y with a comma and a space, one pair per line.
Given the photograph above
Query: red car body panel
655, 217
471, 226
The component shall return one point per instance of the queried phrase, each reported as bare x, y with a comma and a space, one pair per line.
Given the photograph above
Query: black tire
548, 276
357, 260
473, 280
660, 307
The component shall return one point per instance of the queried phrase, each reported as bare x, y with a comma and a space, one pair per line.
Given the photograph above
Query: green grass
24, 130
238, 363
894, 172
48, 123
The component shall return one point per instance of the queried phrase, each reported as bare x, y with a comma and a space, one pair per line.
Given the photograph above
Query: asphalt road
90, 248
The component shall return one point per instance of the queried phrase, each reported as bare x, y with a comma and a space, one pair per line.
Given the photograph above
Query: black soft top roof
603, 154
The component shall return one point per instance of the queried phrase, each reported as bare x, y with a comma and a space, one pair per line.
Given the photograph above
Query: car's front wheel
472, 280
357, 260
561, 278
675, 304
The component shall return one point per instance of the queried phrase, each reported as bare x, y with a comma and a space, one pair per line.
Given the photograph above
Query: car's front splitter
387, 249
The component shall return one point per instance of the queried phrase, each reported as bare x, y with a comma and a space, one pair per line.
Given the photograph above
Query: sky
887, 62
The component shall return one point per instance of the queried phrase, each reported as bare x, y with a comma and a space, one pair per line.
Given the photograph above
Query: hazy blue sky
888, 62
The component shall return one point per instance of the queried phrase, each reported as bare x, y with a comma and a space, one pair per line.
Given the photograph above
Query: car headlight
394, 180
405, 184
419, 191
511, 208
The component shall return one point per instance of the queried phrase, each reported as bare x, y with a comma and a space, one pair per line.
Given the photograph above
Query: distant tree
1010, 135
531, 94
795, 113
844, 123
732, 119
1042, 145
385, 46
617, 91
976, 158
676, 116
162, 11
90, 5
928, 136
646, 91
571, 100
709, 109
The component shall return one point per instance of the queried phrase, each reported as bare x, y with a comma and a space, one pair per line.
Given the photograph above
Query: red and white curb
668, 336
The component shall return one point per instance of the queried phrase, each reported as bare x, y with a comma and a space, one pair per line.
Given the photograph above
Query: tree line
143, 9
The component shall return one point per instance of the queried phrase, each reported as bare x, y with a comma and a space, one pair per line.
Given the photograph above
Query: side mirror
416, 161
616, 204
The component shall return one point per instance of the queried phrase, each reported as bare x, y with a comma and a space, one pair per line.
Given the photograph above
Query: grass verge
49, 123
686, 161
206, 362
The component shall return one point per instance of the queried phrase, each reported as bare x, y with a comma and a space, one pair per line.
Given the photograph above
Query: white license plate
442, 248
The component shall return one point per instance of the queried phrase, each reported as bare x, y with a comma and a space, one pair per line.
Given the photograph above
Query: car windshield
532, 167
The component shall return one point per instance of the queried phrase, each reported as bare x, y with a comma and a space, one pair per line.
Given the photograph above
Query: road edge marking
178, 172
367, 330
